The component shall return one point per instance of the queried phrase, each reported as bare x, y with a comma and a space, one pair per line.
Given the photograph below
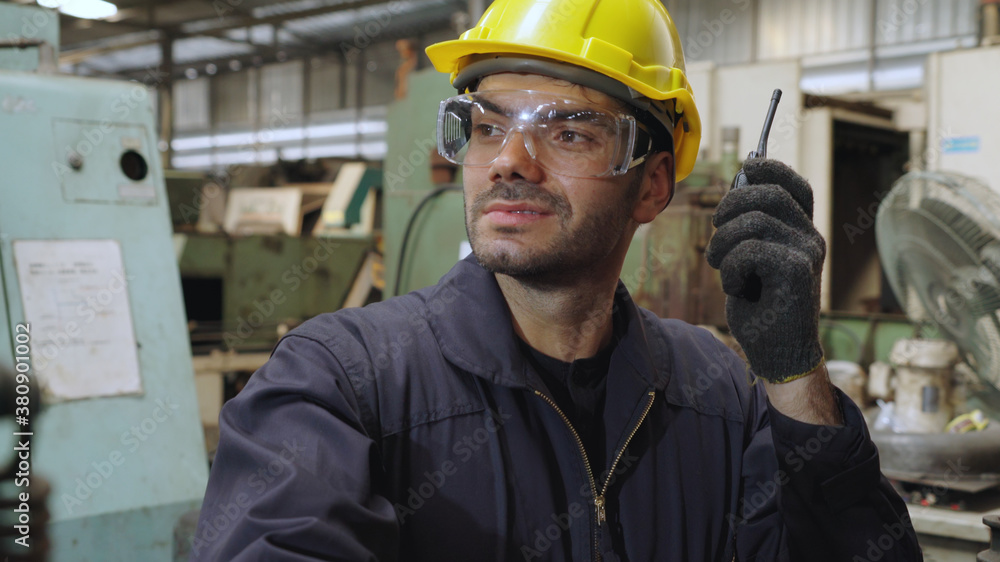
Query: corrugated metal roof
216, 38
186, 51
379, 19
280, 8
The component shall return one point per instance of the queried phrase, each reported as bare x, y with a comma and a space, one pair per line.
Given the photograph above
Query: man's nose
517, 160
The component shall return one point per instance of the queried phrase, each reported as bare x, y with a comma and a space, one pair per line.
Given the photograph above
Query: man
525, 408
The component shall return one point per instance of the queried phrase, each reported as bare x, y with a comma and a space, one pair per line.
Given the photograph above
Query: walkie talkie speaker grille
939, 241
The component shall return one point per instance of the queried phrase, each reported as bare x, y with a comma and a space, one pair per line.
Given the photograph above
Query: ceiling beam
243, 20
107, 45
268, 55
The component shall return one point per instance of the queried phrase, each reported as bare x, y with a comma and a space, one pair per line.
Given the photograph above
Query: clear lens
566, 136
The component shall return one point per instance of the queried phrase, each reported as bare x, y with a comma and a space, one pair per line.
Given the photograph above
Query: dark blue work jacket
415, 429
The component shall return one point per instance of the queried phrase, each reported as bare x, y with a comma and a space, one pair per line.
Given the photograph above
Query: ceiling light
86, 9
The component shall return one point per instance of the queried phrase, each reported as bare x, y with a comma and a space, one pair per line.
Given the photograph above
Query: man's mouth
505, 213
516, 208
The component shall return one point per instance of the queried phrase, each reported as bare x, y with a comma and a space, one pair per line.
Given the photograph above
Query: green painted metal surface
204, 256
860, 338
300, 277
31, 23
439, 231
435, 241
271, 280
122, 467
184, 192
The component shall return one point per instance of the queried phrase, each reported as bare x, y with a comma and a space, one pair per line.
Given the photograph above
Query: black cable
409, 228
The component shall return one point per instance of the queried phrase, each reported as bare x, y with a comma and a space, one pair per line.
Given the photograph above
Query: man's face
527, 222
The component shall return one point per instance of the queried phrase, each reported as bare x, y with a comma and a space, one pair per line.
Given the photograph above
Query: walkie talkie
752, 286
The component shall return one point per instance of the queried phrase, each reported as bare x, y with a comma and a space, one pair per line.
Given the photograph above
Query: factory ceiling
221, 35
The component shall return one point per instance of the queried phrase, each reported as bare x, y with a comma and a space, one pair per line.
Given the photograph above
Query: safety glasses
567, 136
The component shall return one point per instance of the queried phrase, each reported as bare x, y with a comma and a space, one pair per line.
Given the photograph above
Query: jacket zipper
649, 404
599, 498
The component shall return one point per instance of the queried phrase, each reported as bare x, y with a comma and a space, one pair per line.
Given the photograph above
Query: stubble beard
571, 252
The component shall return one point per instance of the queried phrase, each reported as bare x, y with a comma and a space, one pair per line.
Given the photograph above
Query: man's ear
657, 187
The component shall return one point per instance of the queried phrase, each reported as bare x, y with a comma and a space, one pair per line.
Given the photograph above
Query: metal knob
993, 554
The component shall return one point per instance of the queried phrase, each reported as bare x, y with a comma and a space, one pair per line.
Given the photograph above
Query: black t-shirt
579, 389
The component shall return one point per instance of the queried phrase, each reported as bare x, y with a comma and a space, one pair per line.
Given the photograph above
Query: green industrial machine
88, 272
30, 40
242, 293
434, 236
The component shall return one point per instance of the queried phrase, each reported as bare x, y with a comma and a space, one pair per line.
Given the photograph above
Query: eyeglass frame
615, 169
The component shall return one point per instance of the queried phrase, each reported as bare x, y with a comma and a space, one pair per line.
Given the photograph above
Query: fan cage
938, 236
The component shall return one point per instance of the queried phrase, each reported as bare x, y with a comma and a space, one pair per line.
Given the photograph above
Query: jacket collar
469, 317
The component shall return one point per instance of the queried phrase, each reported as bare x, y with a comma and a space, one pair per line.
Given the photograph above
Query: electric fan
939, 241
938, 237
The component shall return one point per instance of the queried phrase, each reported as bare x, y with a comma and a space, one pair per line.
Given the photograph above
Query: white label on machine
254, 210
132, 143
75, 296
136, 192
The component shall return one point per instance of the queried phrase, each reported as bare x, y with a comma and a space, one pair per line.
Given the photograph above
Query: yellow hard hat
632, 42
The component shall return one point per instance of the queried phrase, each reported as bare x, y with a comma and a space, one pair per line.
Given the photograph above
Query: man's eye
573, 137
485, 130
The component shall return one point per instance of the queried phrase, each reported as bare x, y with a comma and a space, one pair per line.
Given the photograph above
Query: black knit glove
770, 257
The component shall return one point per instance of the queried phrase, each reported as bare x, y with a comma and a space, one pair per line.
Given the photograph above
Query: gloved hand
765, 229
